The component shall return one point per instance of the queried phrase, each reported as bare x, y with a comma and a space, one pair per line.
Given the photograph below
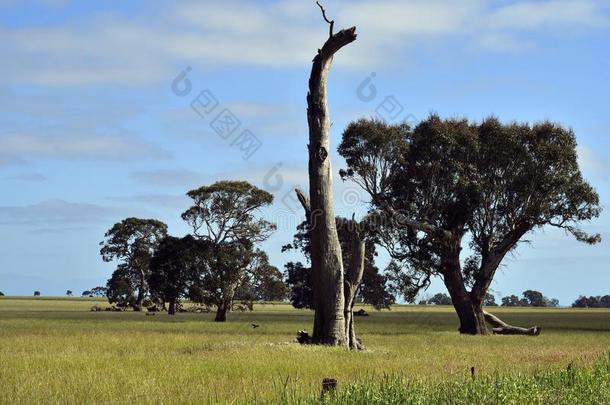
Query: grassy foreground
57, 351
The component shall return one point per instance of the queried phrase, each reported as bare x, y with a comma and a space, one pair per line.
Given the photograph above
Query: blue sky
91, 131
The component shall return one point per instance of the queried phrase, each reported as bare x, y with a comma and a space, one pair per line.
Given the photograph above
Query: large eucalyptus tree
448, 184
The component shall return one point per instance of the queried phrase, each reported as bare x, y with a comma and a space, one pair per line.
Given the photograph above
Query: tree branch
304, 202
331, 23
502, 328
418, 225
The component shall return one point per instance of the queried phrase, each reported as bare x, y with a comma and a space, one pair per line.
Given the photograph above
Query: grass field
57, 351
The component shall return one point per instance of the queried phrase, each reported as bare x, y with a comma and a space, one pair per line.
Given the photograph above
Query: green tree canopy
132, 243
449, 183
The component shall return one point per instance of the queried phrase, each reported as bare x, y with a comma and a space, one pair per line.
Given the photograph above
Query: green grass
57, 351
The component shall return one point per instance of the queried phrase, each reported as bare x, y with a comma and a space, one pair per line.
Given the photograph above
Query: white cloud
70, 125
170, 177
170, 201
30, 177
26, 146
56, 212
143, 49
533, 15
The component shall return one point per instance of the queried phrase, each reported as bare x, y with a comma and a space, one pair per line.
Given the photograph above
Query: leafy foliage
440, 299
174, 267
226, 215
375, 289
225, 212
446, 183
132, 243
298, 279
531, 298
592, 302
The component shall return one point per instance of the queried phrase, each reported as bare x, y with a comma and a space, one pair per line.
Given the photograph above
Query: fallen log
500, 327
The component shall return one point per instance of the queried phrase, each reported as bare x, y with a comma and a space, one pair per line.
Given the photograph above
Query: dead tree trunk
500, 327
326, 259
353, 278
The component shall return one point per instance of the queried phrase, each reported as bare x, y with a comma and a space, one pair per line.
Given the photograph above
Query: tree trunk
141, 291
223, 309
326, 259
353, 278
469, 309
171, 310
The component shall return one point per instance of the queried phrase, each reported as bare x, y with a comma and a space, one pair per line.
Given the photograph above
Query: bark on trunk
221, 313
137, 306
326, 259
469, 309
141, 290
353, 278
171, 310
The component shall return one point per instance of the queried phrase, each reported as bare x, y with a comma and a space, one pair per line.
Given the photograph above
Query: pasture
55, 350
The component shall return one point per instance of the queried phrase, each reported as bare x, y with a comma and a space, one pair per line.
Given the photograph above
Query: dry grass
56, 351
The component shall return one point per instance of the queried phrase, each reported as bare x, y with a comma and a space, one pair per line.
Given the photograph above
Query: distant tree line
592, 302
444, 299
95, 292
530, 298
217, 263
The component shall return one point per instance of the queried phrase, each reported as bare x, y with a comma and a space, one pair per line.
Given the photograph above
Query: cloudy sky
104, 113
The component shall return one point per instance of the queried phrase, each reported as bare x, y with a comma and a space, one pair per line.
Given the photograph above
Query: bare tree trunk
353, 278
326, 258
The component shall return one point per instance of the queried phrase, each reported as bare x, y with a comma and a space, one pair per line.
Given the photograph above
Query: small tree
227, 265
266, 283
122, 288
440, 299
510, 301
298, 278
36, 293
490, 300
173, 268
534, 298
225, 214
132, 242
263, 283
98, 291
69, 293
1, 294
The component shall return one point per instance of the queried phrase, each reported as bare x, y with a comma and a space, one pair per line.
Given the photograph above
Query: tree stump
328, 385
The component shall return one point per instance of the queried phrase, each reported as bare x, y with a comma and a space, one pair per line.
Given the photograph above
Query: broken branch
330, 22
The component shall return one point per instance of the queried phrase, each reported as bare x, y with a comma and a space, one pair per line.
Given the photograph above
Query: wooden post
328, 385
